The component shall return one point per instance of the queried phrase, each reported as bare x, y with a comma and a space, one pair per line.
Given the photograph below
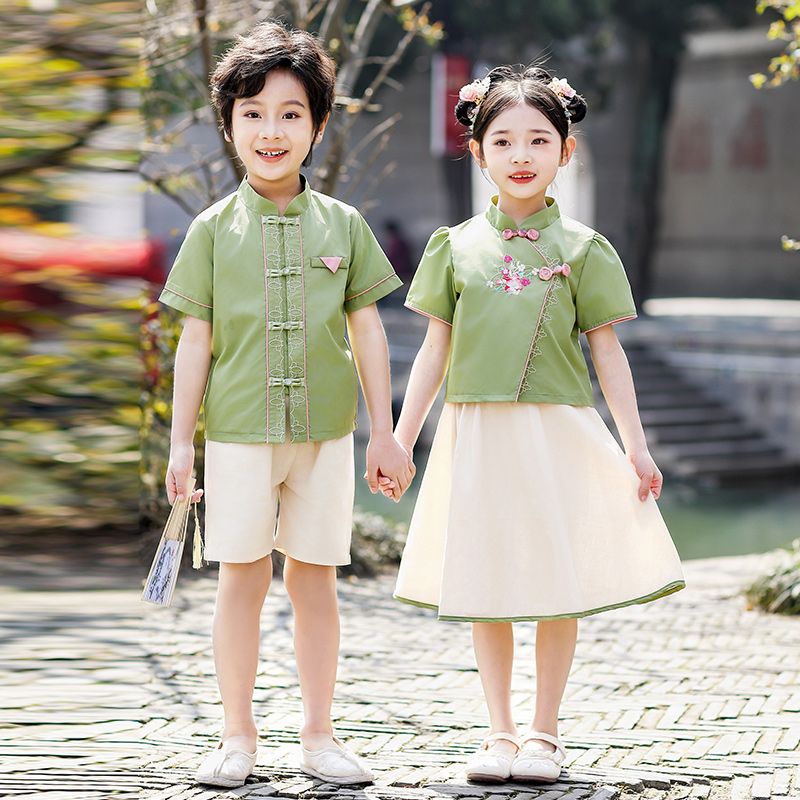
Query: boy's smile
272, 133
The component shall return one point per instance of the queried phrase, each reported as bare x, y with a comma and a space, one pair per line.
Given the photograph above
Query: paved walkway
105, 697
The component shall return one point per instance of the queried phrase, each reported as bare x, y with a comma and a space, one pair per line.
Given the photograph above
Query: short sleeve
432, 291
370, 275
189, 286
604, 294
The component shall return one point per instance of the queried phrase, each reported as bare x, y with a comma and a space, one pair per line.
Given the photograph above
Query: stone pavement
105, 697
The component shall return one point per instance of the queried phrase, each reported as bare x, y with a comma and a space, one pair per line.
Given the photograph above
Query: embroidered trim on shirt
553, 271
196, 302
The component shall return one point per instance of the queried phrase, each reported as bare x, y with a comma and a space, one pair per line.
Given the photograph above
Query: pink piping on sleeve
426, 314
610, 322
353, 297
196, 302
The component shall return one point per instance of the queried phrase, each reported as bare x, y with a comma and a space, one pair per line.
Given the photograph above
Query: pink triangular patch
331, 262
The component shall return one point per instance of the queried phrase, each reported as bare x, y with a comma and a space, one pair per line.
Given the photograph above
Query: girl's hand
387, 459
650, 477
387, 485
179, 473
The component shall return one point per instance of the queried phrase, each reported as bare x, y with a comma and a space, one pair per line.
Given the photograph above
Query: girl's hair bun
577, 108
465, 112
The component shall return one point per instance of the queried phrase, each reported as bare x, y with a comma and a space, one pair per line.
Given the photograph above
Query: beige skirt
530, 511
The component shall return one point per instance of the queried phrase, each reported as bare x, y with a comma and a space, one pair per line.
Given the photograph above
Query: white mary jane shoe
226, 766
488, 765
536, 765
335, 764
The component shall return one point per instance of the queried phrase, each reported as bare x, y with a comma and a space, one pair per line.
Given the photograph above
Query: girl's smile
522, 152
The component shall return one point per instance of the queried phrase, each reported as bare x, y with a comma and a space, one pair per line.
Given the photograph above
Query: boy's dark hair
509, 86
243, 70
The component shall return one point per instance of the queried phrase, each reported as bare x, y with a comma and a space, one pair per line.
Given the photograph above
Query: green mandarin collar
264, 206
538, 221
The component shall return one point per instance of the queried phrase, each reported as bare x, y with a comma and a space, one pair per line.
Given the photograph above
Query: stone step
675, 400
699, 448
739, 469
682, 416
704, 431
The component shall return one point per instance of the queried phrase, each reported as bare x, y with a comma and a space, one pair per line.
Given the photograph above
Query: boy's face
273, 131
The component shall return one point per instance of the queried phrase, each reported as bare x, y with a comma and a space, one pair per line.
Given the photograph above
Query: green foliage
786, 66
69, 407
779, 590
377, 544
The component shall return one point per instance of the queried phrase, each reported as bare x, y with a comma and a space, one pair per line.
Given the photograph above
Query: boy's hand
650, 477
386, 458
179, 473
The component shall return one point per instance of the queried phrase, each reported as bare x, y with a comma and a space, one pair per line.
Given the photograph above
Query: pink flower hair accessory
474, 92
563, 91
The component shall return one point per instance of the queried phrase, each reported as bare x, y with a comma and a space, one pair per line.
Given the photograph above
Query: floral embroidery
512, 277
515, 276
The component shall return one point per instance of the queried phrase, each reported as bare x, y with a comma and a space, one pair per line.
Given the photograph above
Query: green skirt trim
670, 588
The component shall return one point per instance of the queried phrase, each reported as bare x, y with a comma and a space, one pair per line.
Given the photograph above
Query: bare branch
331, 20
362, 39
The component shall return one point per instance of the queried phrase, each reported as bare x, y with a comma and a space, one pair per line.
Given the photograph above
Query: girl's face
273, 131
522, 151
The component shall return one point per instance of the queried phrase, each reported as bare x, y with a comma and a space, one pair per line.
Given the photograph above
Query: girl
528, 509
268, 277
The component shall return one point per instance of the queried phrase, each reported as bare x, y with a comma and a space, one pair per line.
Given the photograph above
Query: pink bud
508, 234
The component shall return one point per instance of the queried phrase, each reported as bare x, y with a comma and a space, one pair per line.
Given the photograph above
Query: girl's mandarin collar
266, 207
539, 220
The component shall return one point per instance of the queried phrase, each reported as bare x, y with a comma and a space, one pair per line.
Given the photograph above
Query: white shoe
535, 764
335, 764
226, 766
489, 765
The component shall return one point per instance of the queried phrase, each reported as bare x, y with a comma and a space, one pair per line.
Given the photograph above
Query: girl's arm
192, 361
427, 374
371, 353
616, 381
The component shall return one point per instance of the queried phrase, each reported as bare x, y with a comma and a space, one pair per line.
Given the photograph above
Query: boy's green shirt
276, 288
515, 330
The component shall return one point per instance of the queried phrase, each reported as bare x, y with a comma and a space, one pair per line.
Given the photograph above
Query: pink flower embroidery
512, 277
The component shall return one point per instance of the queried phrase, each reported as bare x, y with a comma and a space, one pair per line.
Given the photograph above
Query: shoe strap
500, 736
543, 737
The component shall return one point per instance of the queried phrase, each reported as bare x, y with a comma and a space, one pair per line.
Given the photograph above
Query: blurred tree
182, 40
66, 77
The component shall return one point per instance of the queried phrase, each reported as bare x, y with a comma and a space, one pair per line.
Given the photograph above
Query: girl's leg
494, 652
555, 647
236, 636
312, 590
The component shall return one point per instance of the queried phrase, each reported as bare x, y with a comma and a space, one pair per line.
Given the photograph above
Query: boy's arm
616, 381
192, 362
371, 353
427, 374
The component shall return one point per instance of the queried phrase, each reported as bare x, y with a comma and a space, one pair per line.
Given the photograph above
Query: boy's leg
236, 635
555, 648
494, 652
312, 590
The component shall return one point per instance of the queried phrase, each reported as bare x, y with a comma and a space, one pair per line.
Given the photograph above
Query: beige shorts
296, 498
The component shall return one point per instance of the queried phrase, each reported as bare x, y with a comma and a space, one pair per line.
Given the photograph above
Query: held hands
390, 469
650, 477
179, 472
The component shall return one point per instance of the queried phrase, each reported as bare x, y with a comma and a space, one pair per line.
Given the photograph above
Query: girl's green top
517, 297
276, 288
